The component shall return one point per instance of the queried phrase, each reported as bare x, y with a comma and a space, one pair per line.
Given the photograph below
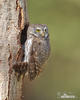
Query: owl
36, 49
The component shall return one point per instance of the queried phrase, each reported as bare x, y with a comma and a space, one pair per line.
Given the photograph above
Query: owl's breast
41, 50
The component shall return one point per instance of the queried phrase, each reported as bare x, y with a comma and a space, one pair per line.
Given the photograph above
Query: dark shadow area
24, 34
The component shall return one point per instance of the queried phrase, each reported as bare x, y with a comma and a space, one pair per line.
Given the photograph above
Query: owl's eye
45, 30
37, 30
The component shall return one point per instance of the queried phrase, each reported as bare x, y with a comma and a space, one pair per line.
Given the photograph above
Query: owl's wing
33, 68
29, 58
31, 49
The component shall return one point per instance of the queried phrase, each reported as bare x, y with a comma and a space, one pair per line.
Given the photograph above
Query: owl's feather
27, 49
37, 55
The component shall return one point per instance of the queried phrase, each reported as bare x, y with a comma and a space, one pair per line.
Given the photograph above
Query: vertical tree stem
13, 18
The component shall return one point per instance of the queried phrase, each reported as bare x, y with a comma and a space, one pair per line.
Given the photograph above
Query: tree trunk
13, 22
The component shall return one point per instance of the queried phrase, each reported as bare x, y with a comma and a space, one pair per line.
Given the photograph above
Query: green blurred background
61, 74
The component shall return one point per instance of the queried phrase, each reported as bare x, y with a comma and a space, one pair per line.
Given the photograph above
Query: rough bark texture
13, 19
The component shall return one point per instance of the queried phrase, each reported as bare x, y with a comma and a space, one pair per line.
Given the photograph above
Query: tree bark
13, 22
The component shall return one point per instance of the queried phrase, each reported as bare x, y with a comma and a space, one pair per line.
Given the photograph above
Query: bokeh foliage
62, 71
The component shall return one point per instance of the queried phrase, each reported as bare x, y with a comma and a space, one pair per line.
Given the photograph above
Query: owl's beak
43, 34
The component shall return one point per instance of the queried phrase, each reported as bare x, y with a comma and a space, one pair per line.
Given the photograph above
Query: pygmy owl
36, 48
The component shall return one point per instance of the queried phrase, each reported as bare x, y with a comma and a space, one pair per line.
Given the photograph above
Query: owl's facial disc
41, 32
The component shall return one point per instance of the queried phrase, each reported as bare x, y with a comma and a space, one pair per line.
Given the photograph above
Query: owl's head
38, 30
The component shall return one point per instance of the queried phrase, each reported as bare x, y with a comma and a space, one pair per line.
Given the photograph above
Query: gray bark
13, 19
